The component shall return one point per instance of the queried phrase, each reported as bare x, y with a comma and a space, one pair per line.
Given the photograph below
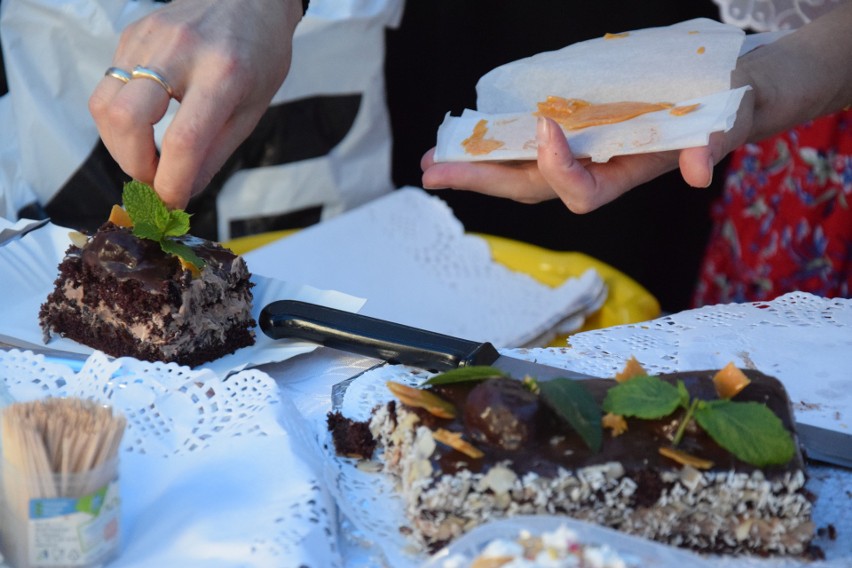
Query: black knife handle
355, 333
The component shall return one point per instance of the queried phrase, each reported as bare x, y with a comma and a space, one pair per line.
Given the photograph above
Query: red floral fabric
784, 221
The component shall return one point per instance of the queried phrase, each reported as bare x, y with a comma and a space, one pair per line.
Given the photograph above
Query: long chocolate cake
470, 451
126, 296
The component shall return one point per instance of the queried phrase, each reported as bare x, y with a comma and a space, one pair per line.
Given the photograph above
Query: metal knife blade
824, 445
392, 342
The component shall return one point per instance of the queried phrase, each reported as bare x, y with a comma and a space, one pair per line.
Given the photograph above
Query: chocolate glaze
116, 250
556, 445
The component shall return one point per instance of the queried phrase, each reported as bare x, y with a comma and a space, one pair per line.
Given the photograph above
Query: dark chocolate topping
116, 250
556, 445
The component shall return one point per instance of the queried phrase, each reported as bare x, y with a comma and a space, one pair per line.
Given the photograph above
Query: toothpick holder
60, 520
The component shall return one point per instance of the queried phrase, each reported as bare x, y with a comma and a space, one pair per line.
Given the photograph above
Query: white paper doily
797, 335
212, 472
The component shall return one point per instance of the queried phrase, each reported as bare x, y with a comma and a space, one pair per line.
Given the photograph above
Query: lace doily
772, 15
795, 338
212, 472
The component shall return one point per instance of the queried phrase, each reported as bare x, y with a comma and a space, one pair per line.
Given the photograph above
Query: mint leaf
177, 223
749, 430
149, 214
154, 221
570, 400
643, 397
176, 248
465, 374
684, 394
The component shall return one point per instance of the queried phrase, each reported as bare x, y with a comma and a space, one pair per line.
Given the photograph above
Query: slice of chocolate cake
471, 451
125, 296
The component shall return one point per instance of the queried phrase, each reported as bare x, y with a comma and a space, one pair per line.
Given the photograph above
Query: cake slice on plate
705, 460
141, 287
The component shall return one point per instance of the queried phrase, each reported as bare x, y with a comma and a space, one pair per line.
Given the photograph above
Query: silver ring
118, 73
140, 72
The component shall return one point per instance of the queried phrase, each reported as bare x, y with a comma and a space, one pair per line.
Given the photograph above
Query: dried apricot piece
118, 216
685, 458
632, 368
729, 381
419, 398
455, 441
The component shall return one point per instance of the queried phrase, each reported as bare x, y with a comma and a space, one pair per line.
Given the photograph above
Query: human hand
223, 59
582, 185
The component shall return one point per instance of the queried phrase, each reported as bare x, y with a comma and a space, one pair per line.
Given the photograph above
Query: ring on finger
118, 73
140, 72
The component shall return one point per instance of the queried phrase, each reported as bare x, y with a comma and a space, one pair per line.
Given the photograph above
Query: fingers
696, 166
125, 114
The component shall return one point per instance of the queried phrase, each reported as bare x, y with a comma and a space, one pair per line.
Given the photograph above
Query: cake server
392, 342
397, 343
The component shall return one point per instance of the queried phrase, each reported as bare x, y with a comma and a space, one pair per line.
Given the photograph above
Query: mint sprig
643, 397
749, 430
573, 402
154, 221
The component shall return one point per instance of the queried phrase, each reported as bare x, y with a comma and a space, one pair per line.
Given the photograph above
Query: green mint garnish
465, 375
573, 402
749, 430
643, 397
154, 221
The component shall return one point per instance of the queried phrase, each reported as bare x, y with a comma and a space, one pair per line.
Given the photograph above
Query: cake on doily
698, 459
127, 296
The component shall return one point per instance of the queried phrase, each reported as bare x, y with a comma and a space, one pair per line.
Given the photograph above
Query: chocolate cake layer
125, 296
534, 463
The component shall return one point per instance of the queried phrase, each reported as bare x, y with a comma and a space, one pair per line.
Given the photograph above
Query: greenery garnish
465, 375
749, 430
573, 402
643, 397
154, 221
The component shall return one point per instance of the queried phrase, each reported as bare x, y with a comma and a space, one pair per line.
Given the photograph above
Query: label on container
74, 531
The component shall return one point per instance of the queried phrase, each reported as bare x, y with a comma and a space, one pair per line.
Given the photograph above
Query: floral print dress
784, 221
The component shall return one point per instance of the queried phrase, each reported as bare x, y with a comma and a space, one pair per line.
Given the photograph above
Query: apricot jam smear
575, 114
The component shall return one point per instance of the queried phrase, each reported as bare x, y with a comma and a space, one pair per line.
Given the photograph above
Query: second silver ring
140, 72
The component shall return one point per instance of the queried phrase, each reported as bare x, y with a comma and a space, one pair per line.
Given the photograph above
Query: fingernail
710, 164
543, 130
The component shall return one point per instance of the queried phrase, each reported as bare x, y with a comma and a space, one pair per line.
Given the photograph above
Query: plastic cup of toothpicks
60, 503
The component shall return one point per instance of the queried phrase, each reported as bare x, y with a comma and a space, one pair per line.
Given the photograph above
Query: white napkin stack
409, 257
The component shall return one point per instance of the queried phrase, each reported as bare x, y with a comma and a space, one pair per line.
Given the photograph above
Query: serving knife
392, 342
398, 343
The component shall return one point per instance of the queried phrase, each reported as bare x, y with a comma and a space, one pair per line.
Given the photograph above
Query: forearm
801, 76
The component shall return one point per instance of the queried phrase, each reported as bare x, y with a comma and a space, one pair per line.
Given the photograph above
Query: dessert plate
29, 268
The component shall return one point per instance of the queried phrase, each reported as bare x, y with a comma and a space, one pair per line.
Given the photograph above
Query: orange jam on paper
616, 36
477, 144
574, 114
682, 110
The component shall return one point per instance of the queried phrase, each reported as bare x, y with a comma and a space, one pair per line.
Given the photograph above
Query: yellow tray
627, 301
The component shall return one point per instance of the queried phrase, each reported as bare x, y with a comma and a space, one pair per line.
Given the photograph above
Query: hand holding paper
796, 78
